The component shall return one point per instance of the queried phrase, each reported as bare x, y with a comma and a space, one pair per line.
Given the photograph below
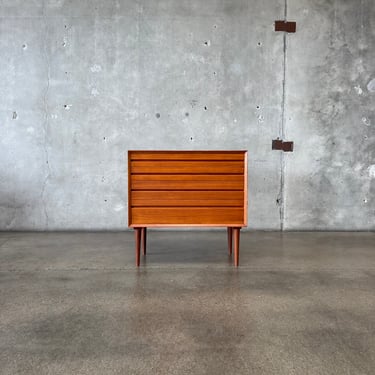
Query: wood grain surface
187, 188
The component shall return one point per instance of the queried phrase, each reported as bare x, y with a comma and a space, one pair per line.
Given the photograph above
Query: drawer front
201, 182
187, 155
187, 216
187, 167
183, 198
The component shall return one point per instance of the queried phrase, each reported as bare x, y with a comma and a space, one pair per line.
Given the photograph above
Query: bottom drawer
187, 216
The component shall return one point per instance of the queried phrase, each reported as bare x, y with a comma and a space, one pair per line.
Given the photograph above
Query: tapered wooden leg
230, 240
144, 239
236, 232
137, 233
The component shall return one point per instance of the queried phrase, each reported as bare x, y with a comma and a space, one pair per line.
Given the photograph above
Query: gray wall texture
83, 81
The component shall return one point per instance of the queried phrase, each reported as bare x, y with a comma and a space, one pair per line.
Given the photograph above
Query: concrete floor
300, 303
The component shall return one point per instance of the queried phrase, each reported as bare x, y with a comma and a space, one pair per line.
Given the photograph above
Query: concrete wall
81, 82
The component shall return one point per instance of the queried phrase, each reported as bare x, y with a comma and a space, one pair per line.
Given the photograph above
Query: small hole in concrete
259, 43
15, 115
258, 107
157, 115
24, 46
187, 114
205, 108
191, 138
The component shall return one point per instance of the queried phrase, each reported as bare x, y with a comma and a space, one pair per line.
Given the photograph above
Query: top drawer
186, 155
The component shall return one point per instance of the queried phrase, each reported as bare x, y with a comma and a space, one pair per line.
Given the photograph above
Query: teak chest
189, 189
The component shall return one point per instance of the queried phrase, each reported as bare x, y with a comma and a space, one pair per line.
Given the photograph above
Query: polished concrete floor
300, 303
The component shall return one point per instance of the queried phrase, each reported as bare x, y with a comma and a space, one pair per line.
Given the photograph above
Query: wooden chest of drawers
187, 188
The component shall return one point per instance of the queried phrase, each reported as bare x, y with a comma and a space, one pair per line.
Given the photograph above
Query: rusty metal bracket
278, 144
289, 27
